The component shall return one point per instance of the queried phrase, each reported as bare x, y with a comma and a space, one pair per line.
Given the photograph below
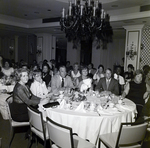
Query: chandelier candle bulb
96, 4
63, 12
102, 13
89, 2
70, 10
81, 10
94, 8
75, 2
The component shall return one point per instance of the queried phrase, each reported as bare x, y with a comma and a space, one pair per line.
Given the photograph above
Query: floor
19, 140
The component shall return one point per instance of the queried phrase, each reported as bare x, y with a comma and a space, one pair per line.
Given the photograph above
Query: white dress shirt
39, 89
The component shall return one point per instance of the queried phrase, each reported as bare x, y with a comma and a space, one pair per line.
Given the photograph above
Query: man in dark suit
108, 83
61, 80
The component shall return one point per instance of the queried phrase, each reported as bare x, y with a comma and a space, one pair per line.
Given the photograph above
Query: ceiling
29, 10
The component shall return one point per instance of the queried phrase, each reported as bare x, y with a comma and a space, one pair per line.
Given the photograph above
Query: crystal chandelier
86, 21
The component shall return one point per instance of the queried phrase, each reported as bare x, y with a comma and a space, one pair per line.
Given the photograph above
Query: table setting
104, 103
6, 88
89, 113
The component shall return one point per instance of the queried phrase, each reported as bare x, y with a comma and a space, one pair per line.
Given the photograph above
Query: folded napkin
124, 107
80, 108
63, 104
83, 87
108, 111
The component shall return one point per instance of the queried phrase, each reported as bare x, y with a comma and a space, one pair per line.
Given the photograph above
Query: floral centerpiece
7, 80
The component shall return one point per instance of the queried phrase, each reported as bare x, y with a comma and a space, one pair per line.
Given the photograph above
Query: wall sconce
39, 50
131, 51
11, 50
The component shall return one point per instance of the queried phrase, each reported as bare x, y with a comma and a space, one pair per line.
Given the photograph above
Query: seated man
61, 80
38, 87
108, 83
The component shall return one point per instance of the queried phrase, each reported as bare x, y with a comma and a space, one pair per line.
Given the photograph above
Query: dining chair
62, 136
130, 135
37, 125
13, 124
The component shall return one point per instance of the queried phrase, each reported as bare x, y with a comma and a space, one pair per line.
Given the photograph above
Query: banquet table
90, 124
3, 97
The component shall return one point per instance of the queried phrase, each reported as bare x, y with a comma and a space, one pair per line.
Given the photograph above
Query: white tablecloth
3, 97
3, 109
90, 125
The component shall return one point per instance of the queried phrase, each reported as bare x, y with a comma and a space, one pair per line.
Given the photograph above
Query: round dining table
89, 123
4, 94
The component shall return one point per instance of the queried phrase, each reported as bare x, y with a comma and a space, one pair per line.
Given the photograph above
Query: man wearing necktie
61, 80
108, 83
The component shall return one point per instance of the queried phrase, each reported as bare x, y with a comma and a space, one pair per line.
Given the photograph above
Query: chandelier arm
68, 27
100, 27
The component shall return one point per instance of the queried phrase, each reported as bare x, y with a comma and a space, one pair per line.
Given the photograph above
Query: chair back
59, 134
130, 134
9, 100
36, 121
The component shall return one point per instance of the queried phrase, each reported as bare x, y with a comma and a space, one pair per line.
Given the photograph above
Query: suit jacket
113, 86
56, 83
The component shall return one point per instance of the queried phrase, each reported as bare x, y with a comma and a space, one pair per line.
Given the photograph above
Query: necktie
107, 83
62, 83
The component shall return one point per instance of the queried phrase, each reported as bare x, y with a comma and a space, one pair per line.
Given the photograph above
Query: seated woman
147, 75
99, 74
7, 69
137, 91
46, 74
129, 75
22, 97
84, 82
38, 87
75, 73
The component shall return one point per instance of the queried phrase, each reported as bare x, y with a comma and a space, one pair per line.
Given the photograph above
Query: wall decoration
145, 51
39, 46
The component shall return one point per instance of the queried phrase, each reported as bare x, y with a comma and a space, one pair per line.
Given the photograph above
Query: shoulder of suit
114, 80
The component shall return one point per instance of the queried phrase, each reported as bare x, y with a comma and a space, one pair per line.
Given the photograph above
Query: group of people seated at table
39, 81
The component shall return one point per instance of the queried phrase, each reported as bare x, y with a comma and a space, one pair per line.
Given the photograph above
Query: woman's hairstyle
8, 61
146, 69
131, 66
18, 73
45, 64
137, 72
101, 66
84, 68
